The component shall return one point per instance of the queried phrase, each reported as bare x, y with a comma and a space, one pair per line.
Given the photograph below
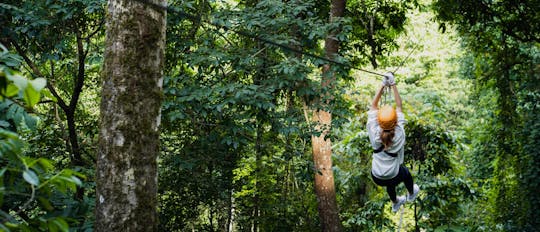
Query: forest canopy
251, 115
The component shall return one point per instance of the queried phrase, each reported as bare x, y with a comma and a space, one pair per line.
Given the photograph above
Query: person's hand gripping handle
388, 79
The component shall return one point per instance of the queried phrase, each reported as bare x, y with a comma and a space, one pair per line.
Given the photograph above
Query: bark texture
126, 197
324, 176
322, 145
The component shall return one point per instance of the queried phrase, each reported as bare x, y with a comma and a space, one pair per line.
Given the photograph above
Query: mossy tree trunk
321, 144
126, 197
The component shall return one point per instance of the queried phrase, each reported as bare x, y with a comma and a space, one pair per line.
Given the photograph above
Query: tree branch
38, 73
99, 26
79, 80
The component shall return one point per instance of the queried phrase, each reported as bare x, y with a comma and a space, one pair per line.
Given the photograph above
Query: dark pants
403, 176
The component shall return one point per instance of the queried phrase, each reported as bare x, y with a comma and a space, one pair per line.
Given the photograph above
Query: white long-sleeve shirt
384, 166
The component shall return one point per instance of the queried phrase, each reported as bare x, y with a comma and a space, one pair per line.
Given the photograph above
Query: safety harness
381, 148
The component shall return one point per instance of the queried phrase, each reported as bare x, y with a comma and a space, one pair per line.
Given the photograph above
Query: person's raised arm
375, 102
391, 81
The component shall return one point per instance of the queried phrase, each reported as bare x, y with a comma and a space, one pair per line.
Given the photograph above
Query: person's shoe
412, 197
399, 201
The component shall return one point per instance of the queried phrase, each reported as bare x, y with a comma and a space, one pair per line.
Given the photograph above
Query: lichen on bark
130, 109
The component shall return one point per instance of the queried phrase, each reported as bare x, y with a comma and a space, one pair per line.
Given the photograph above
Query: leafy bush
32, 192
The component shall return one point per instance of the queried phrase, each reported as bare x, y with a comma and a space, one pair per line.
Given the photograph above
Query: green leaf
11, 90
76, 180
4, 124
48, 94
5, 134
46, 164
19, 81
12, 60
38, 83
61, 224
4, 228
13, 112
31, 96
30, 121
31, 177
45, 203
51, 226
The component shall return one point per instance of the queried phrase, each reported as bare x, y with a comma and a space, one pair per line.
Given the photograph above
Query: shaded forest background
236, 130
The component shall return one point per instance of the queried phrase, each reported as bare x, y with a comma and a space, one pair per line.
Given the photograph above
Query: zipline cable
249, 35
285, 47
406, 58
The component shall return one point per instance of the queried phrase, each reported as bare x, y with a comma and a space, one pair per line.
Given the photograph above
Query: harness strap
381, 148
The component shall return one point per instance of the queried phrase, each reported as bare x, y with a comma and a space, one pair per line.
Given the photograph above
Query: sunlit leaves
17, 90
25, 180
503, 37
15, 85
9, 59
232, 90
375, 26
487, 20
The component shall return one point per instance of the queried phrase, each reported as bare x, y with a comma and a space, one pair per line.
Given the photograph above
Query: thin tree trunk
76, 158
322, 145
259, 150
416, 216
230, 221
324, 176
258, 171
126, 196
70, 111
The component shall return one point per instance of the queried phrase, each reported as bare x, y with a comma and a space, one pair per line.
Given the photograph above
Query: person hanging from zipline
387, 136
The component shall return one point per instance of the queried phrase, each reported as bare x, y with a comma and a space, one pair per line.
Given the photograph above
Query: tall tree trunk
322, 145
126, 197
324, 176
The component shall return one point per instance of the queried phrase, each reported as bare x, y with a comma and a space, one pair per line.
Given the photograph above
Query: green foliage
61, 42
375, 27
432, 153
31, 188
43, 26
233, 114
29, 185
15, 90
518, 20
504, 40
234, 109
235, 141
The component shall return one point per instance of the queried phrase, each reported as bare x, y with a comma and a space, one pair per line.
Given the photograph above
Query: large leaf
48, 94
30, 121
31, 177
31, 96
38, 83
18, 80
58, 224
4, 124
11, 90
